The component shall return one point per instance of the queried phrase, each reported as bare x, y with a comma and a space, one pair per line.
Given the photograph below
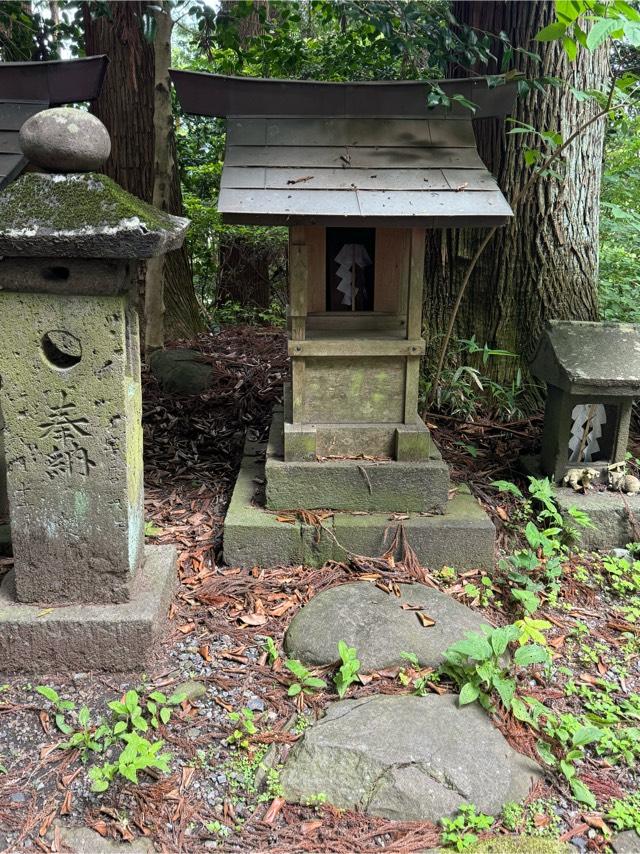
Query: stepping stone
375, 623
407, 758
181, 372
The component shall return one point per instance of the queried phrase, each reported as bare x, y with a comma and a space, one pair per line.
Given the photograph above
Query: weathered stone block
611, 513
73, 442
253, 537
299, 442
464, 536
108, 637
412, 442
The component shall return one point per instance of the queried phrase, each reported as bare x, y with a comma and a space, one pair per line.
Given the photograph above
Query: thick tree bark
163, 165
544, 264
126, 106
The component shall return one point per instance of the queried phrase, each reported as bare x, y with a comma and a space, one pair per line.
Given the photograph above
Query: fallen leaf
253, 619
274, 809
308, 827
100, 827
44, 612
46, 824
204, 652
185, 628
558, 642
425, 619
65, 809
44, 721
187, 776
407, 607
502, 513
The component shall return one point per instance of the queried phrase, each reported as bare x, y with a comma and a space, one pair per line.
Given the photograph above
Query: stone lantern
70, 397
592, 372
358, 172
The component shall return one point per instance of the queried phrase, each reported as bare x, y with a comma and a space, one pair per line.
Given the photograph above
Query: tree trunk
126, 106
163, 165
544, 264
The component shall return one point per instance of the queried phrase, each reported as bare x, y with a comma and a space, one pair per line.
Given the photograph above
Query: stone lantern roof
72, 210
583, 357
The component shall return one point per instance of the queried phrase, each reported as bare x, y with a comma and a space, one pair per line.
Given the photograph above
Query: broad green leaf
131, 701
586, 735
294, 689
165, 715
468, 694
602, 28
570, 48
506, 688
507, 486
48, 693
519, 710
118, 707
551, 32
119, 727
582, 793
83, 716
501, 638
531, 654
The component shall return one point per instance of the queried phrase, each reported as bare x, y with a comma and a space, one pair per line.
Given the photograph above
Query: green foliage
621, 575
271, 649
460, 833
479, 668
624, 813
525, 818
305, 682
414, 675
466, 390
245, 728
138, 755
118, 736
348, 672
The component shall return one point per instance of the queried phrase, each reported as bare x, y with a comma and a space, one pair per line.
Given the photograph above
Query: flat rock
63, 139
627, 842
407, 758
376, 624
83, 840
181, 371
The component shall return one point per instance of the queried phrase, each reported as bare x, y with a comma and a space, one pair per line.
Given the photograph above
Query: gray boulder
407, 758
375, 623
181, 371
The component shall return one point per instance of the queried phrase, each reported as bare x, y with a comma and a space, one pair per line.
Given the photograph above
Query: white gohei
350, 256
586, 429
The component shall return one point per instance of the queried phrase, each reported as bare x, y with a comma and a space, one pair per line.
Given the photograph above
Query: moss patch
520, 845
68, 203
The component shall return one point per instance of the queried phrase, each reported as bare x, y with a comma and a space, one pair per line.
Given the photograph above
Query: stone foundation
463, 536
40, 639
353, 484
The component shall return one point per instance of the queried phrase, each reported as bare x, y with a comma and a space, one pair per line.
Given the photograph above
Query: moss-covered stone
520, 845
82, 215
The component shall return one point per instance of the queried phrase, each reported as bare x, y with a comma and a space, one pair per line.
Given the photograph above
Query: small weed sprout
348, 672
460, 833
305, 682
271, 649
245, 728
60, 707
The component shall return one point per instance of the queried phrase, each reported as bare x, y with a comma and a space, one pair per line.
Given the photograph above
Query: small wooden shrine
358, 171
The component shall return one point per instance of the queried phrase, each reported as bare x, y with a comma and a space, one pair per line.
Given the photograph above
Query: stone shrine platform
43, 638
463, 536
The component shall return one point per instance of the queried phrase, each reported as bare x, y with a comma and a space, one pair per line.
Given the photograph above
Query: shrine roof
583, 357
28, 87
350, 153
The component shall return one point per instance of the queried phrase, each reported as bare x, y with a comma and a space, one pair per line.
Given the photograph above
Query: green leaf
582, 793
165, 715
48, 693
131, 701
507, 486
501, 638
140, 723
519, 710
315, 682
158, 697
600, 30
83, 716
544, 752
551, 32
62, 725
570, 48
468, 694
118, 707
119, 727
531, 654
506, 688
294, 689
586, 735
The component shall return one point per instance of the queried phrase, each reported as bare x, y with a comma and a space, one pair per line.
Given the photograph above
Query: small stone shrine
70, 397
592, 373
358, 172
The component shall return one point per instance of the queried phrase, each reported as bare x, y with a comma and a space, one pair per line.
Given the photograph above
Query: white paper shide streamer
351, 255
588, 420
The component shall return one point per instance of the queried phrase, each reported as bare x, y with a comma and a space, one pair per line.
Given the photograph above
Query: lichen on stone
76, 203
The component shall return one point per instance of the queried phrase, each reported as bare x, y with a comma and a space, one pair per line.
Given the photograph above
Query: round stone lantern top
64, 139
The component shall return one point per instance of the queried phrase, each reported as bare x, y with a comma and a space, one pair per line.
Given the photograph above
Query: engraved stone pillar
70, 398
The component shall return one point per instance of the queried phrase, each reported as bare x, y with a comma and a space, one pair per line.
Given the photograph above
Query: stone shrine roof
27, 88
83, 216
350, 153
583, 357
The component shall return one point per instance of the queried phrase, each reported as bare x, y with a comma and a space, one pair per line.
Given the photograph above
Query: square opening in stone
350, 269
593, 432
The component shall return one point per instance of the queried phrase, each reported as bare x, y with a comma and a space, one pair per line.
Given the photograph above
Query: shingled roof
325, 153
28, 87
